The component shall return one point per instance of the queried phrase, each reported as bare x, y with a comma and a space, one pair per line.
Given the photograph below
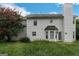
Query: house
52, 27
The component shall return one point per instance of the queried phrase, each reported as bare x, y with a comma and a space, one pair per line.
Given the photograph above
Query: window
46, 34
33, 33
60, 35
56, 35
51, 21
73, 35
73, 22
51, 34
35, 23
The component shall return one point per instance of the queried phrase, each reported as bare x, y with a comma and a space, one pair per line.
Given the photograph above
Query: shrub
13, 41
25, 39
2, 41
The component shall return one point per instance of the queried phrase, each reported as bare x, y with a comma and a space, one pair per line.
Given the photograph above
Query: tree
10, 23
77, 29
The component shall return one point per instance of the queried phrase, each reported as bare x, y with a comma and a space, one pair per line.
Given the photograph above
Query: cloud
53, 13
23, 11
58, 5
76, 4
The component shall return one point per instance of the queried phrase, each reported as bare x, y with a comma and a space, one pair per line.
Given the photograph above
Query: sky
41, 7
44, 8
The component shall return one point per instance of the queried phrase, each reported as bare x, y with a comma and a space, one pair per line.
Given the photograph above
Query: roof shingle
45, 16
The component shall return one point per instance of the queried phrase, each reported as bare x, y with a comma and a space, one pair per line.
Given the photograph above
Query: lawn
40, 48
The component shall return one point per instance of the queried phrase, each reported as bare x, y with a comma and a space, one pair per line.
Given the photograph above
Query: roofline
44, 16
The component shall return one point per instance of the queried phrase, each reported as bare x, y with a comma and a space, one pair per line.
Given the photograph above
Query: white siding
68, 23
41, 25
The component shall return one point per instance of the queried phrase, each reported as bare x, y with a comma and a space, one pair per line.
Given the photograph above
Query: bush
2, 40
25, 39
13, 41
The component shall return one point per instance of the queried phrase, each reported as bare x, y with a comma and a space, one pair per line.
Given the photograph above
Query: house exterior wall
41, 25
69, 27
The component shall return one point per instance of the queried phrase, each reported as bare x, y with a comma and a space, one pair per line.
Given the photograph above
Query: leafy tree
10, 23
77, 29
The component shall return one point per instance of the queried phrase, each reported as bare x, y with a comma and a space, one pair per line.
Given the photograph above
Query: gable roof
44, 16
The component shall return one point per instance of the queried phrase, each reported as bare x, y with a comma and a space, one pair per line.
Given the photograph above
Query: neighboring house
52, 27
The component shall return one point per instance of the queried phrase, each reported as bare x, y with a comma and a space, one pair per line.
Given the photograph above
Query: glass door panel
51, 34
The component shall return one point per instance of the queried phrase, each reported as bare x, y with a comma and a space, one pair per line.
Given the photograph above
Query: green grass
40, 48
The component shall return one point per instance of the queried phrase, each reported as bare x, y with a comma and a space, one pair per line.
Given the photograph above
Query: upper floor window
73, 22
51, 21
35, 23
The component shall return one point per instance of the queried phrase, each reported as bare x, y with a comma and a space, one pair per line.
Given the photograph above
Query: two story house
52, 27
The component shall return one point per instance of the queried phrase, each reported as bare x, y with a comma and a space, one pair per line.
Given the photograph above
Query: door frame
56, 35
